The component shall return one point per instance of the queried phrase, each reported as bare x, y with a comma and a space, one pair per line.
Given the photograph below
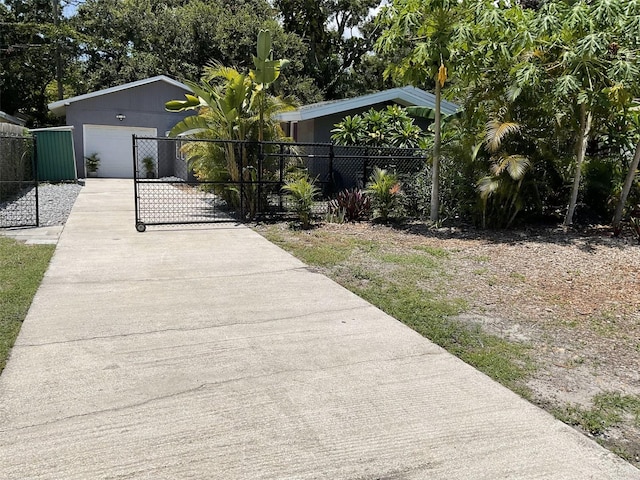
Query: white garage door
114, 148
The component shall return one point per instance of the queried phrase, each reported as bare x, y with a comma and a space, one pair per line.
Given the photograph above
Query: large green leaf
190, 125
190, 103
422, 112
264, 44
267, 71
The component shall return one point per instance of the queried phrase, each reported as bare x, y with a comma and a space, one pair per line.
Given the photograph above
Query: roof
6, 118
405, 96
59, 107
63, 128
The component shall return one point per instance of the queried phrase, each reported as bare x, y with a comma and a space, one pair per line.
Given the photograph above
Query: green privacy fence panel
56, 159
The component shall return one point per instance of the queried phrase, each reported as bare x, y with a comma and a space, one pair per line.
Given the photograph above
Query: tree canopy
565, 72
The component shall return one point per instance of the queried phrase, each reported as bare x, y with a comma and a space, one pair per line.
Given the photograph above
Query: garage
114, 148
104, 121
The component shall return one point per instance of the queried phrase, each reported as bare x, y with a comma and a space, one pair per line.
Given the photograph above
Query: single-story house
104, 121
313, 123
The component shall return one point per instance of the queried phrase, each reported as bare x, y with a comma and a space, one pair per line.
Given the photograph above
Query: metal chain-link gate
185, 181
18, 182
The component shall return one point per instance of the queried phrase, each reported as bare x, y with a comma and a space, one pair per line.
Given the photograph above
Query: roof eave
59, 108
405, 96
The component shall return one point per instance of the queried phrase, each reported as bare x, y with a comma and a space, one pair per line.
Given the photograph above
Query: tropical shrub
350, 205
507, 174
384, 189
416, 193
301, 192
392, 127
92, 162
231, 105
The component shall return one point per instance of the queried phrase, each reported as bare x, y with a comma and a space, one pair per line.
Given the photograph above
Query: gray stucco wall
143, 106
305, 133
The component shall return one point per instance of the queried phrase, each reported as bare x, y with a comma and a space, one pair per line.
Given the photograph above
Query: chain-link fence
181, 181
18, 182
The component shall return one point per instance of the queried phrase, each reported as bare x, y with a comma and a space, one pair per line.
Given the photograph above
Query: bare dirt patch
573, 297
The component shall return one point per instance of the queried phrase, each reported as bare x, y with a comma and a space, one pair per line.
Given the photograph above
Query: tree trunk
58, 55
583, 138
435, 168
626, 188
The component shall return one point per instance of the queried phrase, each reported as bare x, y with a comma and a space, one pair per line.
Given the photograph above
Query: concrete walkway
209, 353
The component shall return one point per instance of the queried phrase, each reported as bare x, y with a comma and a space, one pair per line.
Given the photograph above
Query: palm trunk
583, 138
435, 169
513, 207
626, 188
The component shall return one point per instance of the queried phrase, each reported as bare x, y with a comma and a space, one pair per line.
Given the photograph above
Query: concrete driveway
209, 353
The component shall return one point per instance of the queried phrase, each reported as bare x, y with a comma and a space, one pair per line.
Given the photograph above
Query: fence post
281, 177
332, 181
365, 166
35, 177
260, 206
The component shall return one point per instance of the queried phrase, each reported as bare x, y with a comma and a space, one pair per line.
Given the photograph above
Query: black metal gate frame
142, 185
24, 203
357, 162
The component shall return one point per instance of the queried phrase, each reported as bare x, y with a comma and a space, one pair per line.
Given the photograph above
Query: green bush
301, 191
384, 189
416, 193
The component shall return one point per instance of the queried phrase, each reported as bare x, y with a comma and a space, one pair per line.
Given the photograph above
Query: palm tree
429, 27
507, 174
231, 106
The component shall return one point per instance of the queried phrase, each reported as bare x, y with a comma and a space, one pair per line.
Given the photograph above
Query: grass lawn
21, 270
411, 286
551, 315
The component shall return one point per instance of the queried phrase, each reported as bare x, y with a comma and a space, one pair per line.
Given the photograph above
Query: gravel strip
55, 203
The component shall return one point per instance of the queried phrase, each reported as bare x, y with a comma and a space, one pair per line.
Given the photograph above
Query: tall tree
580, 49
338, 36
429, 27
133, 40
36, 46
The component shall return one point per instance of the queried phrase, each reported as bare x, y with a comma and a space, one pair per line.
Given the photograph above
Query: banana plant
267, 70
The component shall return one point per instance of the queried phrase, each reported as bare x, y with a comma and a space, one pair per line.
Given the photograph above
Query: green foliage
350, 205
110, 42
392, 127
384, 189
92, 162
406, 286
603, 177
267, 70
607, 411
231, 106
149, 166
507, 174
416, 193
429, 29
34, 39
585, 69
301, 192
336, 59
21, 270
